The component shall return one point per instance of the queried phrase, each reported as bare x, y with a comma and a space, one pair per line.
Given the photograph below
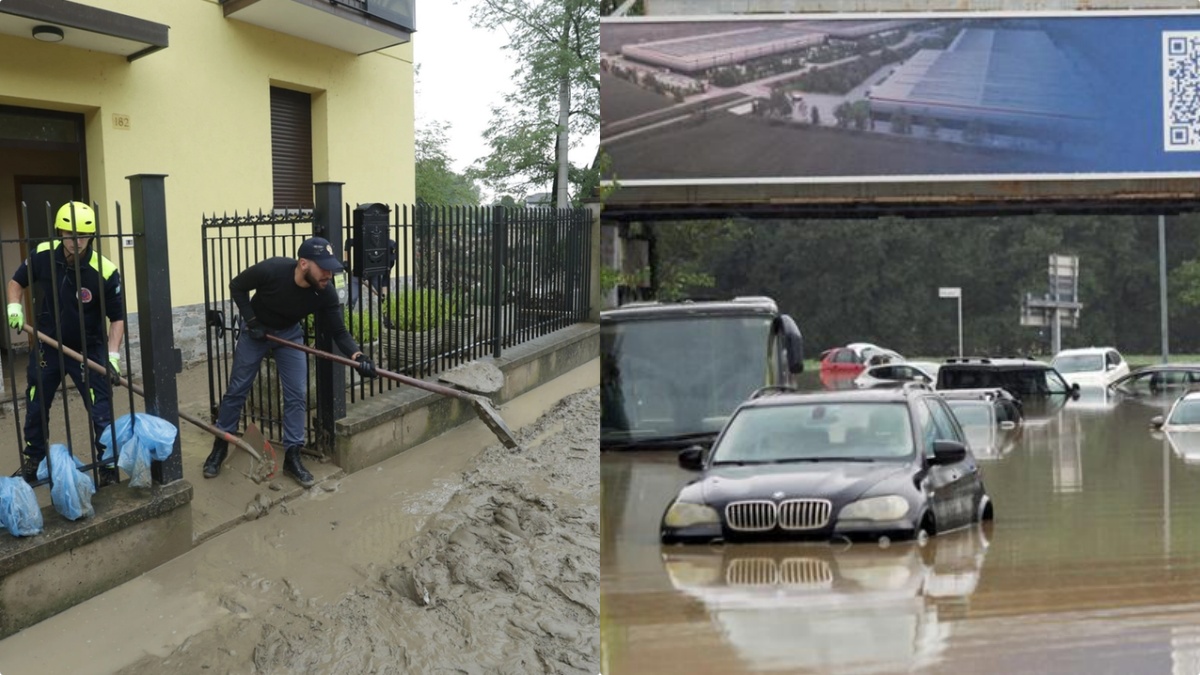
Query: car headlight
891, 507
684, 514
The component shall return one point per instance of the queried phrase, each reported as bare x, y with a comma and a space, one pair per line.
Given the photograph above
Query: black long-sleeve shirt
279, 303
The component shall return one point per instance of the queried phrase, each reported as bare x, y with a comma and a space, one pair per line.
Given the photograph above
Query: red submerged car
854, 357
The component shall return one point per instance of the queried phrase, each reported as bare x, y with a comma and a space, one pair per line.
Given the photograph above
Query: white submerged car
1091, 366
903, 371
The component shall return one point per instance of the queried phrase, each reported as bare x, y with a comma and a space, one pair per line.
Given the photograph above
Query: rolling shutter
291, 149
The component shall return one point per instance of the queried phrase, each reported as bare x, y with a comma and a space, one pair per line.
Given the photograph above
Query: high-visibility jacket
97, 294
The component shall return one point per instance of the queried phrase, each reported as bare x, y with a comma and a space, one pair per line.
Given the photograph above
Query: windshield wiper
669, 441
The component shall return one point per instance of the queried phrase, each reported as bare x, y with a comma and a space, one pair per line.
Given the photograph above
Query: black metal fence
463, 282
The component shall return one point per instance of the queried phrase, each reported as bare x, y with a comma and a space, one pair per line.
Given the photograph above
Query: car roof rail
969, 359
773, 390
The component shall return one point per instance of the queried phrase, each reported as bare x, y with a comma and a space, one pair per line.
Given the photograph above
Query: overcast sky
464, 71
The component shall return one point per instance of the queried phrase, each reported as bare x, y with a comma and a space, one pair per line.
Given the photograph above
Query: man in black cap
285, 291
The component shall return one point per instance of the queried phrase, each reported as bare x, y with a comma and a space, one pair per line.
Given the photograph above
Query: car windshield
1186, 412
668, 377
816, 431
1079, 363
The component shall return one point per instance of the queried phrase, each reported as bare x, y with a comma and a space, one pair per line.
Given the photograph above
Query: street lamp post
955, 292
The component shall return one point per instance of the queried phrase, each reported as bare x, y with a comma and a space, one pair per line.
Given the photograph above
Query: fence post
161, 361
592, 282
331, 377
499, 243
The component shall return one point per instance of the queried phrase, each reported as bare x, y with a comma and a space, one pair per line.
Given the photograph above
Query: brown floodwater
1092, 565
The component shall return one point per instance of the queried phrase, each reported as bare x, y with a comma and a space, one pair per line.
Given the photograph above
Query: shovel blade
485, 411
255, 439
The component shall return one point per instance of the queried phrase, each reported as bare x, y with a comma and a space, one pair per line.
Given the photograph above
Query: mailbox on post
369, 241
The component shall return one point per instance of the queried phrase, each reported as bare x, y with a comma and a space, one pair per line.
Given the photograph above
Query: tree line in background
554, 106
877, 280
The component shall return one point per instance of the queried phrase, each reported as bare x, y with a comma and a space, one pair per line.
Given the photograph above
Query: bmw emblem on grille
777, 495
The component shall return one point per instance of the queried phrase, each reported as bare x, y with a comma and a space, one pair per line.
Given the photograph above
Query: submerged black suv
1022, 378
855, 464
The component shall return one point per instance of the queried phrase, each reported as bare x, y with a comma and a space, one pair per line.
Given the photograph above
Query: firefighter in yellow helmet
83, 309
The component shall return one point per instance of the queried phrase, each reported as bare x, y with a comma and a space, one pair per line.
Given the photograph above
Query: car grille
806, 572
793, 514
804, 514
750, 516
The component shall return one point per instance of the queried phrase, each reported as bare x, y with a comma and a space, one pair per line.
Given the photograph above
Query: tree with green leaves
437, 181
556, 101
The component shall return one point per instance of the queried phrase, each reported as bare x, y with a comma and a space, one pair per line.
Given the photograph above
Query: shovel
483, 407
256, 446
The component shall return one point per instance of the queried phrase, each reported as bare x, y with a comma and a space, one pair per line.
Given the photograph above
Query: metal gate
425, 289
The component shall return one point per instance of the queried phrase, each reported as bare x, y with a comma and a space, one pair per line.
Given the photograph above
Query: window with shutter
291, 149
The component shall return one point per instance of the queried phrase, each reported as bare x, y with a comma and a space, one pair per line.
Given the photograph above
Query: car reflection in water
860, 608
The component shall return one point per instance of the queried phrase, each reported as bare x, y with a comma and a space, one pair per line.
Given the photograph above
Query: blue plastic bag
157, 434
73, 489
139, 440
19, 510
124, 433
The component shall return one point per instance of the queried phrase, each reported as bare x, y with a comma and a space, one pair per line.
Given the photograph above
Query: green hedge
419, 310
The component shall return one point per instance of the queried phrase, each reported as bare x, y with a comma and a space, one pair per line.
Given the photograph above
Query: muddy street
445, 558
1091, 566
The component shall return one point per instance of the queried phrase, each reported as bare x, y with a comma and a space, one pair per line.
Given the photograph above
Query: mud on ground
504, 579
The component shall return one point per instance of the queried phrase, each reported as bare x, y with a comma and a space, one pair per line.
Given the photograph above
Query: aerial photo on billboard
800, 98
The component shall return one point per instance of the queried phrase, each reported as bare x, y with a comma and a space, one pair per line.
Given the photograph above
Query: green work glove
16, 316
114, 367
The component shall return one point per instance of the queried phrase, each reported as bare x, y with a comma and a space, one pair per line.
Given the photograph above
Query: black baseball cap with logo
320, 251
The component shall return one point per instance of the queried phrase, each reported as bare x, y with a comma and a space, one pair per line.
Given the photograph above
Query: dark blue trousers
44, 377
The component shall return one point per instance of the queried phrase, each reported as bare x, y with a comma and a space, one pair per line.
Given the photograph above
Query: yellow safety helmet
76, 217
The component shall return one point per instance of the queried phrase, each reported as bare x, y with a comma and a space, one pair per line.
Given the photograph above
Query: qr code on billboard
1181, 91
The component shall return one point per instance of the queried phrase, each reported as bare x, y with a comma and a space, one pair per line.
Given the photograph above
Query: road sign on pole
956, 293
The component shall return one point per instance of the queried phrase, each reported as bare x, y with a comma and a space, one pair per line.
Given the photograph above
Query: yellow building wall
199, 111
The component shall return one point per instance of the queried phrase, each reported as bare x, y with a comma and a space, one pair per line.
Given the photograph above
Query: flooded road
458, 555
1092, 565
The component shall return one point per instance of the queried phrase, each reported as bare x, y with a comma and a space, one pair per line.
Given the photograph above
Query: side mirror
692, 458
1075, 391
948, 452
785, 330
1157, 421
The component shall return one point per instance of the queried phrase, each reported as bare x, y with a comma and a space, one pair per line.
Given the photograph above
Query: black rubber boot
293, 467
212, 465
28, 469
109, 476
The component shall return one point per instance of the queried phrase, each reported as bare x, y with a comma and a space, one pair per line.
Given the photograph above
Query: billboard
954, 105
